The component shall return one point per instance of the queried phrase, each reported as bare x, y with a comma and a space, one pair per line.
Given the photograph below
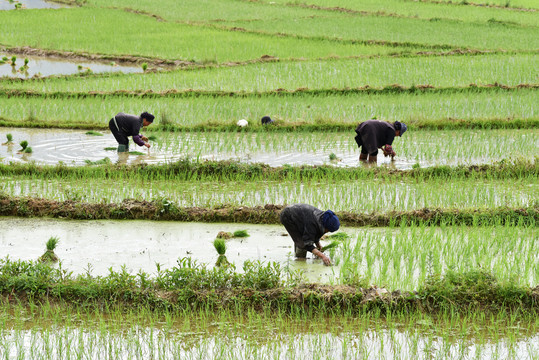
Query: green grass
450, 71
469, 106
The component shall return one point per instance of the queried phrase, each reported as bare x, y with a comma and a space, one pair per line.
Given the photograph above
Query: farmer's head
400, 128
330, 221
147, 118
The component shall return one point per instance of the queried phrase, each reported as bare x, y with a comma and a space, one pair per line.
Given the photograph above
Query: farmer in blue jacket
375, 134
124, 125
306, 225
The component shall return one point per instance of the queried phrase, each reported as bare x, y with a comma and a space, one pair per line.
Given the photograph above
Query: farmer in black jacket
375, 134
124, 125
306, 225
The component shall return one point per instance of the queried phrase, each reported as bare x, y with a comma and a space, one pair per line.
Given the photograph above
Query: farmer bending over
375, 134
124, 125
306, 225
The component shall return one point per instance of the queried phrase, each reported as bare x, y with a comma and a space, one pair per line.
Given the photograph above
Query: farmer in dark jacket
306, 225
375, 134
124, 125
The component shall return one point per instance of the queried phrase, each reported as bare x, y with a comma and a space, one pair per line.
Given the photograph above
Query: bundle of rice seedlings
220, 246
331, 245
339, 236
240, 233
49, 255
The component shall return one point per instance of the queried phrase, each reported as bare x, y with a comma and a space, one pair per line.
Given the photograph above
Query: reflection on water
258, 341
43, 66
28, 4
425, 148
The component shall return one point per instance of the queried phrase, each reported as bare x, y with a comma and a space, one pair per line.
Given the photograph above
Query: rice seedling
49, 255
23, 144
153, 138
224, 235
94, 133
240, 234
13, 60
104, 161
332, 245
136, 153
110, 148
9, 139
27, 150
220, 246
144, 66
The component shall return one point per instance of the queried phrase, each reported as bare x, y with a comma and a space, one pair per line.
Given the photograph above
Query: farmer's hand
388, 150
144, 138
147, 145
321, 255
326, 260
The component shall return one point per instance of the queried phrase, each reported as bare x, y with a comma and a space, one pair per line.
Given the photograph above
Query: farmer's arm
138, 139
309, 239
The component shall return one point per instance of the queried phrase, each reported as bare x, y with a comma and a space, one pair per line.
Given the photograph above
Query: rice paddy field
177, 251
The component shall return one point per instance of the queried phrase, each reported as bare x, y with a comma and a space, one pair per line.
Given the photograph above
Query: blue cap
403, 128
330, 221
266, 120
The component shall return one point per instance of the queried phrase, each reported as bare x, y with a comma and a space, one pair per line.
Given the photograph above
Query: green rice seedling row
365, 196
440, 33
451, 71
444, 147
433, 11
119, 35
190, 335
424, 109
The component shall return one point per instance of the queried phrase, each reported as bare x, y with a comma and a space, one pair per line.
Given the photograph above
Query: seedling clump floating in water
103, 161
240, 233
220, 246
94, 133
110, 148
23, 144
136, 153
9, 139
49, 255
27, 150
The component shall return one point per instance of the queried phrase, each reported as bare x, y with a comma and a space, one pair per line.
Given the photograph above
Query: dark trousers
120, 137
359, 143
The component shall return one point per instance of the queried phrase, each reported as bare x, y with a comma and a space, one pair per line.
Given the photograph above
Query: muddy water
139, 245
223, 340
43, 66
29, 4
426, 148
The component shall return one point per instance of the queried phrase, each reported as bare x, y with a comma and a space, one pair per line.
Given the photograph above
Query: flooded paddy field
29, 4
396, 258
270, 339
425, 148
27, 66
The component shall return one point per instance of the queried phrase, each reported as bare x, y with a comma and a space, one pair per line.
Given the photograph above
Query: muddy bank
268, 214
84, 56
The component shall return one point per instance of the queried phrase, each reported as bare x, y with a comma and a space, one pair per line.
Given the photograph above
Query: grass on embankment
259, 287
236, 171
304, 110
